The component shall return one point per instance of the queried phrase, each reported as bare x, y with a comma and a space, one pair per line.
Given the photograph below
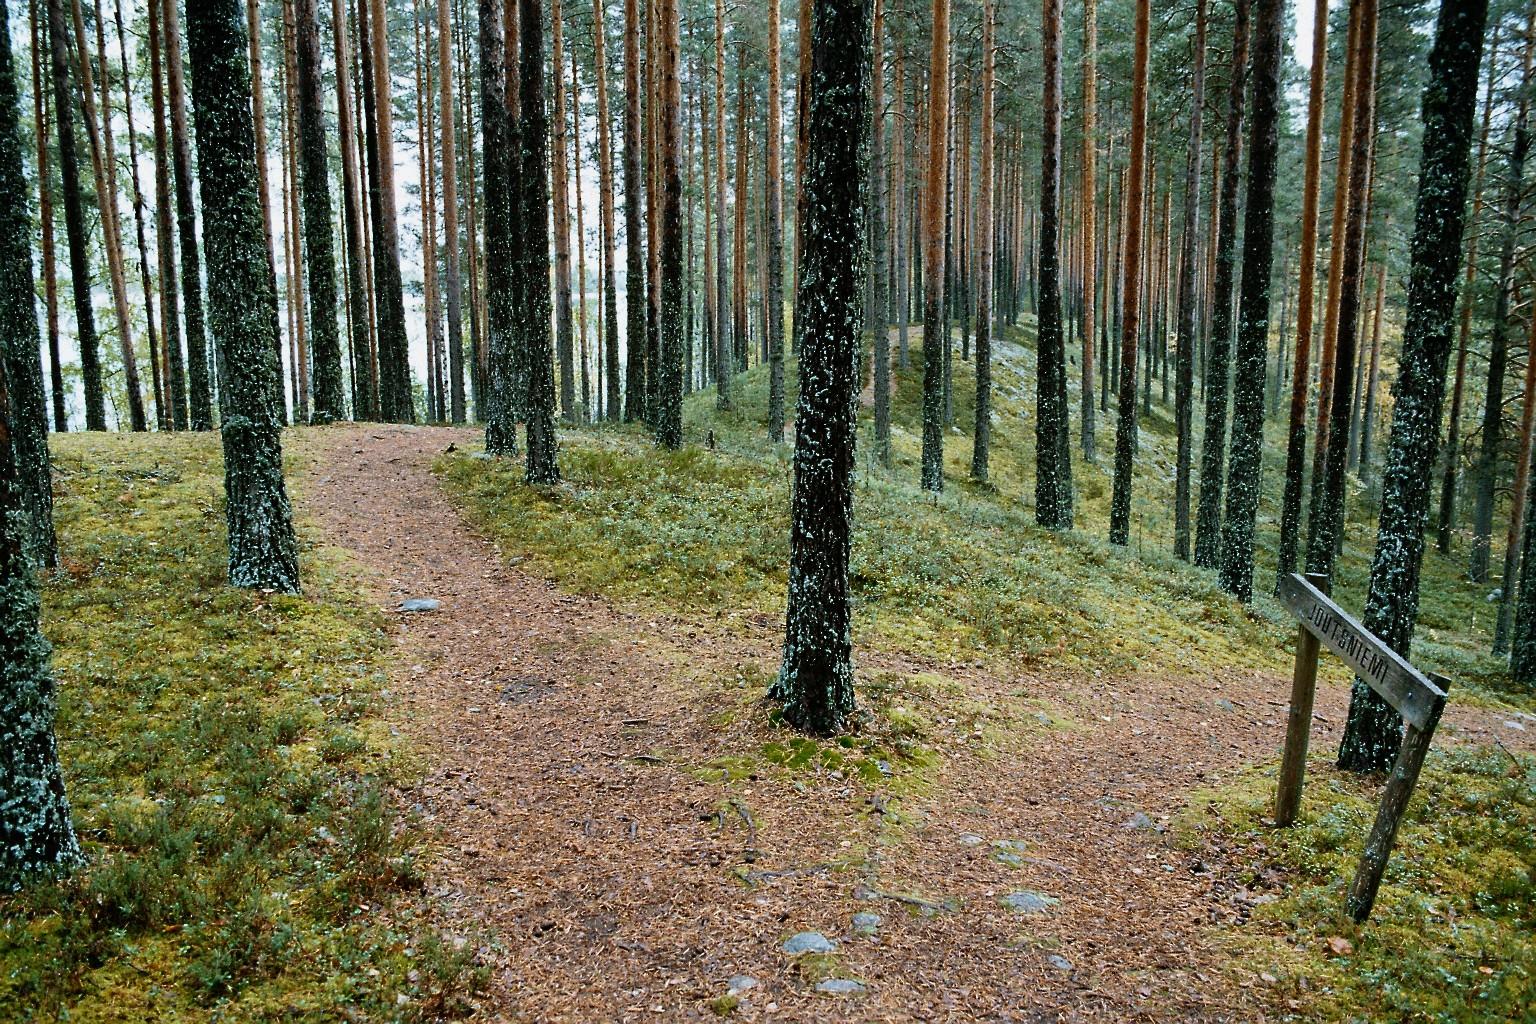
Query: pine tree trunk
1251, 363
542, 464
41, 106
1213, 450
564, 330
74, 221
981, 448
319, 248
450, 187
670, 366
165, 240
605, 156
1089, 169
500, 252
880, 240
1517, 499
1368, 404
397, 404
1486, 471
934, 191
774, 299
243, 305
1372, 737
104, 173
1184, 363
815, 683
900, 230
1296, 435
1130, 316
27, 486
357, 303
1451, 457
1330, 517
634, 276
1053, 468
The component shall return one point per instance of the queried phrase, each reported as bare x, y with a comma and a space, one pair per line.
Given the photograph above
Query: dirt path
575, 774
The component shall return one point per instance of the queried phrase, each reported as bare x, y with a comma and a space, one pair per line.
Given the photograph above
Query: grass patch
1453, 934
229, 776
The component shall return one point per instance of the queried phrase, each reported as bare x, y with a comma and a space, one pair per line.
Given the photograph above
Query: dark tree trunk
40, 107
1184, 361
243, 310
634, 231
200, 394
500, 249
1486, 472
319, 247
981, 448
815, 684
610, 353
670, 368
357, 301
725, 363
74, 221
934, 189
1130, 261
1371, 737
1213, 450
533, 186
397, 403
1243, 482
36, 836
880, 208
1053, 467
773, 301
24, 453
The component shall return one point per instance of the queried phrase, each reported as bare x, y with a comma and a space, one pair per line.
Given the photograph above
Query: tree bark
542, 465
774, 299
634, 276
319, 248
1130, 316
1371, 738
1184, 362
934, 190
451, 216
397, 404
983, 425
815, 685
243, 305
670, 369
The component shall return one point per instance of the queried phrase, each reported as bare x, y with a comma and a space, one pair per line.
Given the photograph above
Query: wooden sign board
1417, 698
1381, 668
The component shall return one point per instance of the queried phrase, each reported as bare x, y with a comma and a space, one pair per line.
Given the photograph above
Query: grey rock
809, 942
482, 456
1141, 820
741, 983
1027, 901
865, 923
1013, 860
1061, 963
420, 604
971, 839
840, 986
1226, 705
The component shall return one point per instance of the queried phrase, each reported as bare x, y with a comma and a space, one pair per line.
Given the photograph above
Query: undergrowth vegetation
229, 776
1453, 934
704, 531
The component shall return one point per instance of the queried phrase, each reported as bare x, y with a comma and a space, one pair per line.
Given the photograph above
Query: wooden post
1293, 768
1405, 775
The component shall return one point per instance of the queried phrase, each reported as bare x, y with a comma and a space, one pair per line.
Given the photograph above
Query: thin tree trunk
605, 156
983, 426
41, 106
934, 190
1130, 324
1213, 450
1053, 468
1090, 158
635, 277
880, 204
451, 216
773, 174
542, 465
1184, 369
396, 400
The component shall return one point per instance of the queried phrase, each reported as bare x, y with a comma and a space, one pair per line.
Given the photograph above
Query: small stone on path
840, 986
865, 923
1028, 901
970, 839
809, 942
1061, 963
740, 983
420, 604
1141, 820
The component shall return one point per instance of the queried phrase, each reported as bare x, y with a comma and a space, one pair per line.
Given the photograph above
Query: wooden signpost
1418, 698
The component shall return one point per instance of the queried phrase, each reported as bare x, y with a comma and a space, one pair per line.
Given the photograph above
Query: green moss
229, 774
1453, 934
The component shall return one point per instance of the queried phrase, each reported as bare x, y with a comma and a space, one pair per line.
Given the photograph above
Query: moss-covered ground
229, 772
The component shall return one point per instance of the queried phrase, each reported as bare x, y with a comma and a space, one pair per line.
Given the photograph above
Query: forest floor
618, 817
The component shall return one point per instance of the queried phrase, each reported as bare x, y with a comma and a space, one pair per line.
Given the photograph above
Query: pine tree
36, 835
74, 221
1184, 362
397, 403
450, 183
725, 362
243, 304
935, 187
1296, 435
40, 117
28, 504
815, 685
565, 338
1329, 520
1371, 737
881, 203
1243, 479
605, 158
670, 367
1131, 299
500, 251
773, 300
200, 394
1213, 450
983, 430
363, 379
533, 185
1089, 291
319, 248
1053, 466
